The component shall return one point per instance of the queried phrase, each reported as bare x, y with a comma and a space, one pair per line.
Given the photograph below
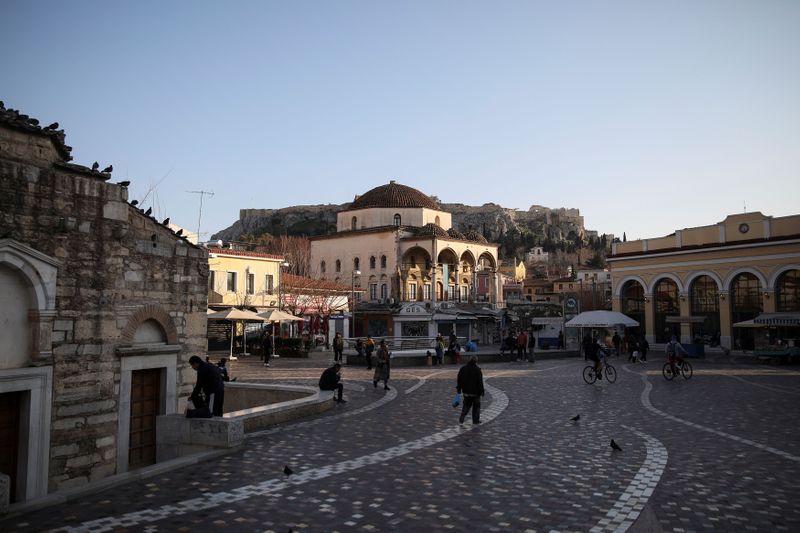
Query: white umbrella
276, 315
236, 315
601, 319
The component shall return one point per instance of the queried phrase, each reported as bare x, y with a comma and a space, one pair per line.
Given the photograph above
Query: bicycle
606, 370
681, 366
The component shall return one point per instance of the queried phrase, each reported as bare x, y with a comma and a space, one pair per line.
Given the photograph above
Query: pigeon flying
108, 169
288, 471
615, 446
124, 183
95, 166
576, 418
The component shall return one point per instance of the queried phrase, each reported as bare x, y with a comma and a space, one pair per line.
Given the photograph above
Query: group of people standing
635, 347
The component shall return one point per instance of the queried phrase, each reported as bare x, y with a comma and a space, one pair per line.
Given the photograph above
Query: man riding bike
592, 352
674, 352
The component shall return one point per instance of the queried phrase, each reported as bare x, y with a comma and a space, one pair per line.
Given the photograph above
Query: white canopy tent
235, 315
601, 319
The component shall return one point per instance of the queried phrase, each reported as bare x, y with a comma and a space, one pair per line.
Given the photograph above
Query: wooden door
145, 406
9, 436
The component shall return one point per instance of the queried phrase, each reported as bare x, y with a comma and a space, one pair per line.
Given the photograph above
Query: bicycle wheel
611, 374
589, 375
667, 371
686, 370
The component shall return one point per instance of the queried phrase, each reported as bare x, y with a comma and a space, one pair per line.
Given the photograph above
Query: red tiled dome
393, 195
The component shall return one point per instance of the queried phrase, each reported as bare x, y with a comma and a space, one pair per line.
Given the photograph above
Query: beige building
399, 246
242, 278
700, 281
514, 270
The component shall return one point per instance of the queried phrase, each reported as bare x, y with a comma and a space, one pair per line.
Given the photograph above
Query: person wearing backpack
675, 353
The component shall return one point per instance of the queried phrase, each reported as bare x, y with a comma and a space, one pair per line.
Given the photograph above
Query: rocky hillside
516, 231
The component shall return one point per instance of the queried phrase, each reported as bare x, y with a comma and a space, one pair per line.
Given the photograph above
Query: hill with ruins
516, 231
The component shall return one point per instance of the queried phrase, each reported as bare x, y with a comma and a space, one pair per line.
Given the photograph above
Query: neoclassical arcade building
703, 280
397, 244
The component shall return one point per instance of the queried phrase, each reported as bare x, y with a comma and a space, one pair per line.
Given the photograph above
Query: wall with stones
115, 262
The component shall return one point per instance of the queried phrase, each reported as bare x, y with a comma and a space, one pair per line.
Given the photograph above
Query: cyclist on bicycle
674, 352
592, 352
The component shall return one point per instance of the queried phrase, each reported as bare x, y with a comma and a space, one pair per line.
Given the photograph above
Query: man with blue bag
470, 384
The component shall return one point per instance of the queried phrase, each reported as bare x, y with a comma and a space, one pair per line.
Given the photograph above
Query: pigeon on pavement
615, 446
288, 471
576, 418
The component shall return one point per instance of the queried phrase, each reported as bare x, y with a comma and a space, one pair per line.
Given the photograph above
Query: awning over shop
786, 318
685, 319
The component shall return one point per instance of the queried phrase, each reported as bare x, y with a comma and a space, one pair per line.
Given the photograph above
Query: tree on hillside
597, 261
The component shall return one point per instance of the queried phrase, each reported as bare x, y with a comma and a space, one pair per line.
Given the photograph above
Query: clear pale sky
648, 116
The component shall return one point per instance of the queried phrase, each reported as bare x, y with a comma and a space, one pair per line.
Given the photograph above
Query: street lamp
281, 266
353, 310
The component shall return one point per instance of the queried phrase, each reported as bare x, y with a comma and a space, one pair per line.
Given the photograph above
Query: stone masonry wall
115, 261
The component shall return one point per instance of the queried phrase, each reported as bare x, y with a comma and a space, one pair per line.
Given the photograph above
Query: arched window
322, 267
372, 262
666, 303
383, 261
787, 291
338, 265
397, 219
704, 298
633, 302
436, 221
356, 264
354, 223
745, 305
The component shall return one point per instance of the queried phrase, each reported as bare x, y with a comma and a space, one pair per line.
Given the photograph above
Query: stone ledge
312, 402
177, 435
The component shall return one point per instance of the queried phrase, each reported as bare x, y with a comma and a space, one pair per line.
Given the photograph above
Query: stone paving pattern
528, 469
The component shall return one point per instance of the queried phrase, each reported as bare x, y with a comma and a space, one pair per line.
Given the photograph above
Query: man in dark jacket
209, 382
470, 383
330, 380
338, 348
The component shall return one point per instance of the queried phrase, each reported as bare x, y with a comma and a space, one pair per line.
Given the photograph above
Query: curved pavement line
422, 381
390, 395
645, 399
276, 485
629, 505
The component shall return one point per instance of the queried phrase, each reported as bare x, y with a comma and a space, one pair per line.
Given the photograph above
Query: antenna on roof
200, 212
745, 206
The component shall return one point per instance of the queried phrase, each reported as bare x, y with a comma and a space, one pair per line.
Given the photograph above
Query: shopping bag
456, 400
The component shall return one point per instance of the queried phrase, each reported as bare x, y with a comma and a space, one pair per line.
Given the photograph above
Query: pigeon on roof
108, 169
95, 166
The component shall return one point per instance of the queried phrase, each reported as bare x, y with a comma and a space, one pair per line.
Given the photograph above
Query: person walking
470, 384
531, 347
331, 380
643, 347
369, 347
439, 349
381, 367
522, 345
266, 347
338, 348
616, 340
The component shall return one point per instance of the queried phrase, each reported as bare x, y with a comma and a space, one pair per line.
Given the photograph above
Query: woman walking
382, 367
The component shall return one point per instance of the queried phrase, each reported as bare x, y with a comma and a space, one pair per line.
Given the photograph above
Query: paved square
720, 451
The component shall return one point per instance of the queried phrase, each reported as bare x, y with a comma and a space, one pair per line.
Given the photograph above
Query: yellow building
514, 270
700, 281
241, 278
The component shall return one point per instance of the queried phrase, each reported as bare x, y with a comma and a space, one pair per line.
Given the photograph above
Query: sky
648, 116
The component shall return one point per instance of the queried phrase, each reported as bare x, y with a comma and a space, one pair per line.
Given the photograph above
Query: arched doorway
666, 304
746, 304
704, 302
632, 304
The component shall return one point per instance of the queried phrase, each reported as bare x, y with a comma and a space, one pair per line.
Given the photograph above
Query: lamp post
281, 266
353, 310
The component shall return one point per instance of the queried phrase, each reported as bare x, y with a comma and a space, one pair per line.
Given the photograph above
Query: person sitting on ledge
330, 380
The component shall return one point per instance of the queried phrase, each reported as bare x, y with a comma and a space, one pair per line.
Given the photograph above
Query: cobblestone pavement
720, 451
